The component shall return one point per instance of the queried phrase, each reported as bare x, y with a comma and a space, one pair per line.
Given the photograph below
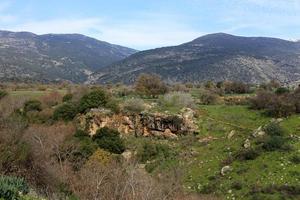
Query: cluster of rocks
143, 124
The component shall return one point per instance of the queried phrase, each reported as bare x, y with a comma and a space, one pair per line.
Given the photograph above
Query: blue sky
144, 24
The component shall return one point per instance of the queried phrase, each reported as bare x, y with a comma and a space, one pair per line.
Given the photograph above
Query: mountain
214, 57
53, 57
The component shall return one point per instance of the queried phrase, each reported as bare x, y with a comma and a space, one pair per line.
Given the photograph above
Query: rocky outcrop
144, 124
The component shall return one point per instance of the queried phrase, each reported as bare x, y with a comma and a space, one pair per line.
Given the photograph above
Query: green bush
67, 97
177, 100
66, 112
94, 99
12, 187
274, 143
274, 129
32, 105
2, 94
151, 151
109, 139
282, 90
247, 154
295, 159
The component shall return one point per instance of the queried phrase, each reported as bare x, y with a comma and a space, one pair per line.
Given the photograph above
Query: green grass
33, 93
269, 168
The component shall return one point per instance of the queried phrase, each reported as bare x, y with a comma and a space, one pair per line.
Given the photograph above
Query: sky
146, 24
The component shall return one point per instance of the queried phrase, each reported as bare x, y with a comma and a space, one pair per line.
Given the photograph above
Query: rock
231, 134
258, 132
146, 124
247, 144
169, 134
207, 139
225, 170
127, 155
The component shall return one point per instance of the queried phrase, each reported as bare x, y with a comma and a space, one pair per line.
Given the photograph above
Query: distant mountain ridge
54, 57
214, 57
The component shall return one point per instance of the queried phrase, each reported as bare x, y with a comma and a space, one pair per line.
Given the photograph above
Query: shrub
2, 94
109, 139
274, 143
93, 99
51, 99
282, 90
261, 100
280, 107
274, 129
208, 97
151, 151
67, 97
66, 112
177, 100
236, 88
32, 105
150, 85
295, 159
12, 187
247, 154
134, 106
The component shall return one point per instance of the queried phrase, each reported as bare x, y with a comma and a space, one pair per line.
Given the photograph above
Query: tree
150, 85
109, 139
32, 105
93, 99
66, 112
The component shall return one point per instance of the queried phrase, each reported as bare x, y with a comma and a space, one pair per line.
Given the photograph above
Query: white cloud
155, 31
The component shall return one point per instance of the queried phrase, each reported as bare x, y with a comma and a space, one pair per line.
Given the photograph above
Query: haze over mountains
53, 57
77, 58
214, 57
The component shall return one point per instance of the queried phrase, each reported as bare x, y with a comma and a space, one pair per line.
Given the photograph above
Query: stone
231, 134
168, 134
258, 132
127, 155
247, 144
225, 170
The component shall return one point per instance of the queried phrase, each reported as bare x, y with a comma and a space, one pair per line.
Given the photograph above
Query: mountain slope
212, 57
51, 57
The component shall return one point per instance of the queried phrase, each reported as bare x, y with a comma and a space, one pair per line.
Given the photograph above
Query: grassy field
201, 157
33, 93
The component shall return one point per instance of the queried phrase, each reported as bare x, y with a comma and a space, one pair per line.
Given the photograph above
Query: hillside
212, 57
52, 57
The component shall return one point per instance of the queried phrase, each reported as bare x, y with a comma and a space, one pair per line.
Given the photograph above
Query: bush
66, 112
274, 129
247, 154
67, 97
12, 187
2, 94
32, 105
177, 100
236, 88
150, 85
209, 98
51, 99
109, 139
151, 151
261, 100
282, 90
94, 99
295, 159
134, 106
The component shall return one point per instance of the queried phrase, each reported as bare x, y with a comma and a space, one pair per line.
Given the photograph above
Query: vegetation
150, 85
57, 159
2, 94
94, 99
109, 140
